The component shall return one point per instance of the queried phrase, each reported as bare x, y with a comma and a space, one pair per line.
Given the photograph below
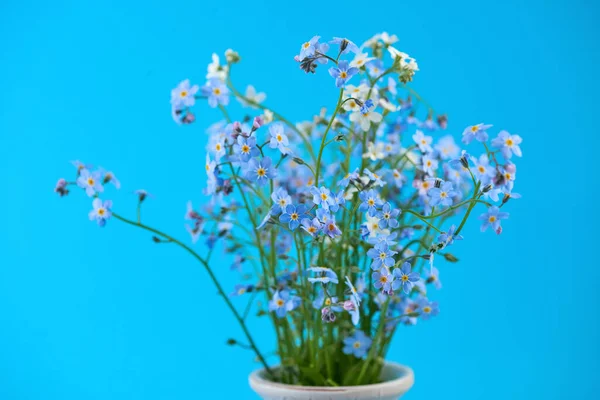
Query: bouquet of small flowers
342, 252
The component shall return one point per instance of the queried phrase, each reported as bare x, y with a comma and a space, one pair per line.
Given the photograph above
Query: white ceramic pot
397, 379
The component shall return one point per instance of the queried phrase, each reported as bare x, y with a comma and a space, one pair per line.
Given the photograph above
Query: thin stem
318, 166
212, 277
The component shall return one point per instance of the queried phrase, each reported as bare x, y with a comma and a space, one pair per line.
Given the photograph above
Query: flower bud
61, 187
450, 257
232, 56
486, 188
257, 123
339, 138
298, 161
348, 305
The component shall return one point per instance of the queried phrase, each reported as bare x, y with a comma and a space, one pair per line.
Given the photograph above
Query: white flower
388, 39
210, 167
388, 106
373, 227
351, 105
358, 92
375, 151
216, 70
267, 116
253, 97
406, 61
360, 60
365, 119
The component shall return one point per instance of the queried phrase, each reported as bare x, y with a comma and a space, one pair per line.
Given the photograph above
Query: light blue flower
342, 73
387, 216
293, 215
331, 229
475, 132
101, 211
382, 279
370, 202
184, 95
427, 309
90, 181
357, 345
508, 144
322, 197
349, 177
216, 92
405, 278
483, 170
245, 148
382, 255
492, 218
312, 227
345, 45
279, 139
260, 171
281, 199
282, 303
449, 237
442, 195
323, 275
308, 48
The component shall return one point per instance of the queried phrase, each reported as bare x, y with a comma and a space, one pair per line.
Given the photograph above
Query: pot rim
399, 384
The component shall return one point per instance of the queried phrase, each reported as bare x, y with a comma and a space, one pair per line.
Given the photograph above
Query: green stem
214, 279
318, 166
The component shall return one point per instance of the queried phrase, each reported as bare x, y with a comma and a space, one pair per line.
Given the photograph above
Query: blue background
88, 313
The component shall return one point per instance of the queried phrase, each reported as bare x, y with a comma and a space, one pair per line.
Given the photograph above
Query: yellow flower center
382, 256
306, 45
371, 202
404, 278
101, 211
357, 345
327, 302
323, 196
509, 142
331, 227
481, 169
352, 104
183, 93
312, 229
383, 279
426, 309
280, 303
261, 172
386, 216
428, 163
245, 148
282, 202
218, 147
492, 219
217, 91
279, 138
443, 195
90, 181
474, 128
294, 216
343, 75
425, 185
242, 291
